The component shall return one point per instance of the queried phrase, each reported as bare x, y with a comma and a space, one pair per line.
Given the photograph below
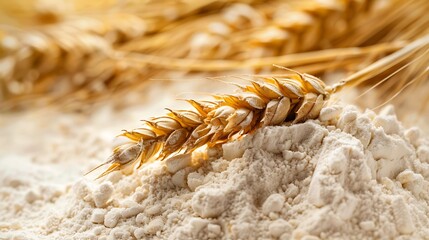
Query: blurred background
75, 53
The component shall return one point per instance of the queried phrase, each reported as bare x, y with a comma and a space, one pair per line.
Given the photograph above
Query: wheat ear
242, 32
266, 101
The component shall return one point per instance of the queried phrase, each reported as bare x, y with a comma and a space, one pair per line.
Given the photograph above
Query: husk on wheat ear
266, 101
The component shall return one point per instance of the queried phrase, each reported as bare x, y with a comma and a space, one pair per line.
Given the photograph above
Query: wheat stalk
357, 54
267, 101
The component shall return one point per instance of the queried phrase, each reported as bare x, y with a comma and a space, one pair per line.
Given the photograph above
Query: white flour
347, 175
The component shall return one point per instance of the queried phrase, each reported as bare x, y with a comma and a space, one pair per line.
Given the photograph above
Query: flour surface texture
346, 174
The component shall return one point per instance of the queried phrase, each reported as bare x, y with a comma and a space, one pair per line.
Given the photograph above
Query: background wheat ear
110, 48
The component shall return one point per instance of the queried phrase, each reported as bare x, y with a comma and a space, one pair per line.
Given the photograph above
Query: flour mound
345, 175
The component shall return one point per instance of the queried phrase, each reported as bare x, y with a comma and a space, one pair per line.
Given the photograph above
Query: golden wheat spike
293, 97
232, 116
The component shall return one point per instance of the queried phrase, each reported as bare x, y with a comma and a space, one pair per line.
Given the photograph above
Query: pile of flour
345, 175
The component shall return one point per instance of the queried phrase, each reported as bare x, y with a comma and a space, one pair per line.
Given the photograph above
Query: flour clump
347, 174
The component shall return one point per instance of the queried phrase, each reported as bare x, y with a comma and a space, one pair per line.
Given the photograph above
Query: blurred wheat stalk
55, 50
